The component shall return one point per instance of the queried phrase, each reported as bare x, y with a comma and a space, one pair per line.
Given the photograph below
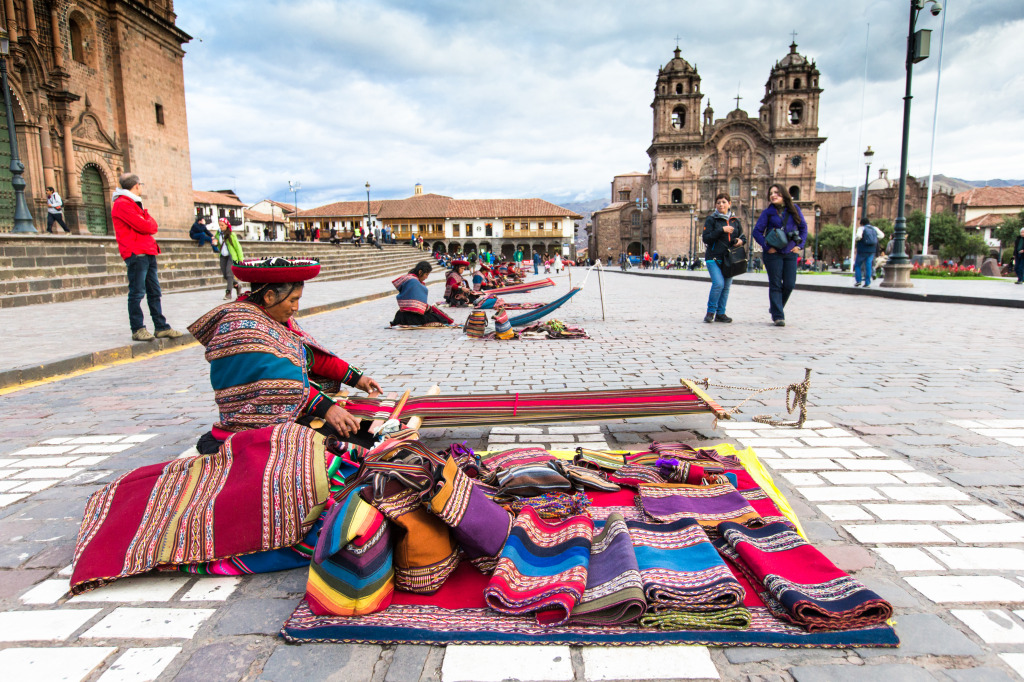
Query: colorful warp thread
635, 475
614, 592
351, 573
687, 452
553, 505
682, 572
709, 505
596, 459
262, 490
799, 583
516, 457
542, 569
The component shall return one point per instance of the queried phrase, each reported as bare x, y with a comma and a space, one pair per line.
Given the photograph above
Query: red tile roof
438, 206
257, 217
341, 209
418, 206
988, 220
288, 208
215, 198
991, 196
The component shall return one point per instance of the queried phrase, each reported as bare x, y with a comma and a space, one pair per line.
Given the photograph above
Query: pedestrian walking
536, 262
558, 262
134, 229
199, 233
54, 210
722, 230
1018, 257
781, 231
226, 244
867, 246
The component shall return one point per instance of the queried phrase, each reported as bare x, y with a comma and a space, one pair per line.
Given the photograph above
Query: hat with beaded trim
276, 270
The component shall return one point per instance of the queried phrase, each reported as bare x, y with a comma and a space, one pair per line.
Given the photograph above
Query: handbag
776, 238
735, 261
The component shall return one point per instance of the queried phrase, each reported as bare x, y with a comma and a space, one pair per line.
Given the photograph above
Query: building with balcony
223, 203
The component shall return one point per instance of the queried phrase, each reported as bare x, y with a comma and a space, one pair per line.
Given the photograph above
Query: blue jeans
143, 282
720, 285
536, 268
864, 263
203, 238
1018, 269
781, 269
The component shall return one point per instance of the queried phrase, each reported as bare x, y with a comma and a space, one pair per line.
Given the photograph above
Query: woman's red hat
276, 270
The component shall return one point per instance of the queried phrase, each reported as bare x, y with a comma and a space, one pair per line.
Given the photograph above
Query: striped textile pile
476, 324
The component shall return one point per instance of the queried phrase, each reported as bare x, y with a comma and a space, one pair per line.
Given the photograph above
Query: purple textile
709, 505
615, 592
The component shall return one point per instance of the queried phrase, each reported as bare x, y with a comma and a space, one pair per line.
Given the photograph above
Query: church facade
694, 156
97, 89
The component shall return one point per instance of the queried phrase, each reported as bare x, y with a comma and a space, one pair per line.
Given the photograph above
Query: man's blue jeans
203, 238
143, 282
720, 285
864, 263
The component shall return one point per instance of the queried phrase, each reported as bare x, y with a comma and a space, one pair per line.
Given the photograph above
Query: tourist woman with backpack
781, 231
721, 232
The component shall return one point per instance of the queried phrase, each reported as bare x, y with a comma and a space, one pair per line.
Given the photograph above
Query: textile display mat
457, 613
429, 325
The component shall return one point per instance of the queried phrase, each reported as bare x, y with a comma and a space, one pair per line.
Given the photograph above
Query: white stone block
52, 664
212, 589
7, 485
846, 442
592, 444
46, 473
754, 442
1015, 442
917, 478
47, 626
31, 486
844, 512
135, 623
91, 460
897, 534
496, 663
648, 663
138, 438
797, 478
987, 533
869, 452
914, 512
875, 465
744, 426
11, 498
144, 588
802, 453
859, 477
7, 462
805, 465
967, 589
924, 494
46, 462
1002, 433
966, 423
46, 592
44, 450
980, 558
769, 453
93, 440
994, 627
835, 433
981, 512
906, 559
56, 441
817, 424
101, 449
140, 665
517, 429
838, 494
581, 429
1015, 661
1003, 423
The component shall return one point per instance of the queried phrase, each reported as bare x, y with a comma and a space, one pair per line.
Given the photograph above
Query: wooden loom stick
416, 422
600, 288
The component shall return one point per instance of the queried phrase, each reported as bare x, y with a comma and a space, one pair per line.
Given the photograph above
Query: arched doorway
635, 249
94, 206
6, 191
455, 249
539, 248
527, 255
507, 251
469, 248
439, 247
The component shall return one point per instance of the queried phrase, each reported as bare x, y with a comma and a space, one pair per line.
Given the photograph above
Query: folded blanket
542, 568
681, 571
479, 524
799, 583
709, 505
615, 593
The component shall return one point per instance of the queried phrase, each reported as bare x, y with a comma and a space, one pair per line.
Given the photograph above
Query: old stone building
883, 200
97, 89
695, 156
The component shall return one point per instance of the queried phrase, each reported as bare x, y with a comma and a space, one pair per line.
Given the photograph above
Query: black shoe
722, 318
856, 284
710, 317
779, 323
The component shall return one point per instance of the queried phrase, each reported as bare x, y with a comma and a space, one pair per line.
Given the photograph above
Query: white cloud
552, 99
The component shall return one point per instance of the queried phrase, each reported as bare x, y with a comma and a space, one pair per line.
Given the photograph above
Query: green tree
1008, 230
915, 228
961, 244
885, 225
834, 241
944, 229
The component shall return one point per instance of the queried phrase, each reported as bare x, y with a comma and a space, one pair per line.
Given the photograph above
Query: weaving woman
413, 308
263, 367
456, 291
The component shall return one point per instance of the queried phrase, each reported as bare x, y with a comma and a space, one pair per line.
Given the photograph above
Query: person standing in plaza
54, 210
536, 262
134, 229
225, 242
867, 246
1018, 257
781, 231
558, 262
722, 230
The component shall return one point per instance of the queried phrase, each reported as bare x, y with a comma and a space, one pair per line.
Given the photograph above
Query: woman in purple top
784, 218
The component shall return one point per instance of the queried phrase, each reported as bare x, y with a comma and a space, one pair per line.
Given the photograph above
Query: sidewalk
56, 338
970, 292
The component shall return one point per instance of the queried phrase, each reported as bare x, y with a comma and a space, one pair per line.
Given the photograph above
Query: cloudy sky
537, 98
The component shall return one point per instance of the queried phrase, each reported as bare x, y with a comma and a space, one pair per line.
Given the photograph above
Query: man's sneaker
722, 318
710, 317
168, 334
142, 334
779, 323
856, 284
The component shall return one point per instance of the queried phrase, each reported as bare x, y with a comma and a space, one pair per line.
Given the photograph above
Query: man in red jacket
134, 229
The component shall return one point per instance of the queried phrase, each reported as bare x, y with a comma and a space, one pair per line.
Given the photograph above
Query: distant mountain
943, 183
822, 187
585, 209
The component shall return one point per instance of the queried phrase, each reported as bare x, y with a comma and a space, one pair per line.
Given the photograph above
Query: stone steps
48, 270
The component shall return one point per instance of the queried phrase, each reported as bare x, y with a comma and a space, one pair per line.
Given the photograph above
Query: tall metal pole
22, 216
367, 204
867, 173
860, 139
935, 125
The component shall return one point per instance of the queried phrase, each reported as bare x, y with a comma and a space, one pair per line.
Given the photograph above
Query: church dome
793, 58
677, 64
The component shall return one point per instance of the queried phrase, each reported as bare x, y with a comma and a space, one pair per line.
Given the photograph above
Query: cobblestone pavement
909, 476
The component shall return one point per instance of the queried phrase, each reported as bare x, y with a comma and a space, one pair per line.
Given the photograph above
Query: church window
780, 84
734, 187
796, 83
679, 117
796, 112
634, 219
623, 195
159, 114
78, 43
677, 164
663, 89
489, 229
509, 225
679, 88
794, 192
540, 224
677, 196
525, 225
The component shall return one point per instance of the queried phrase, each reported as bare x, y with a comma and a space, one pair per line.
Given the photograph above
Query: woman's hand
739, 242
794, 249
728, 229
771, 249
342, 421
367, 384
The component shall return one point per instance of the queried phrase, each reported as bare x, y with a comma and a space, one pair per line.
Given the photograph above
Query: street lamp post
693, 234
367, 205
22, 216
753, 221
897, 268
294, 188
817, 231
867, 172
868, 153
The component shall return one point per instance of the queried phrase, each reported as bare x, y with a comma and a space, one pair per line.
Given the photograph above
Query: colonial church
695, 156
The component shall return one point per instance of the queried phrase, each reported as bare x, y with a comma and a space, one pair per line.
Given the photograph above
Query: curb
898, 294
21, 375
